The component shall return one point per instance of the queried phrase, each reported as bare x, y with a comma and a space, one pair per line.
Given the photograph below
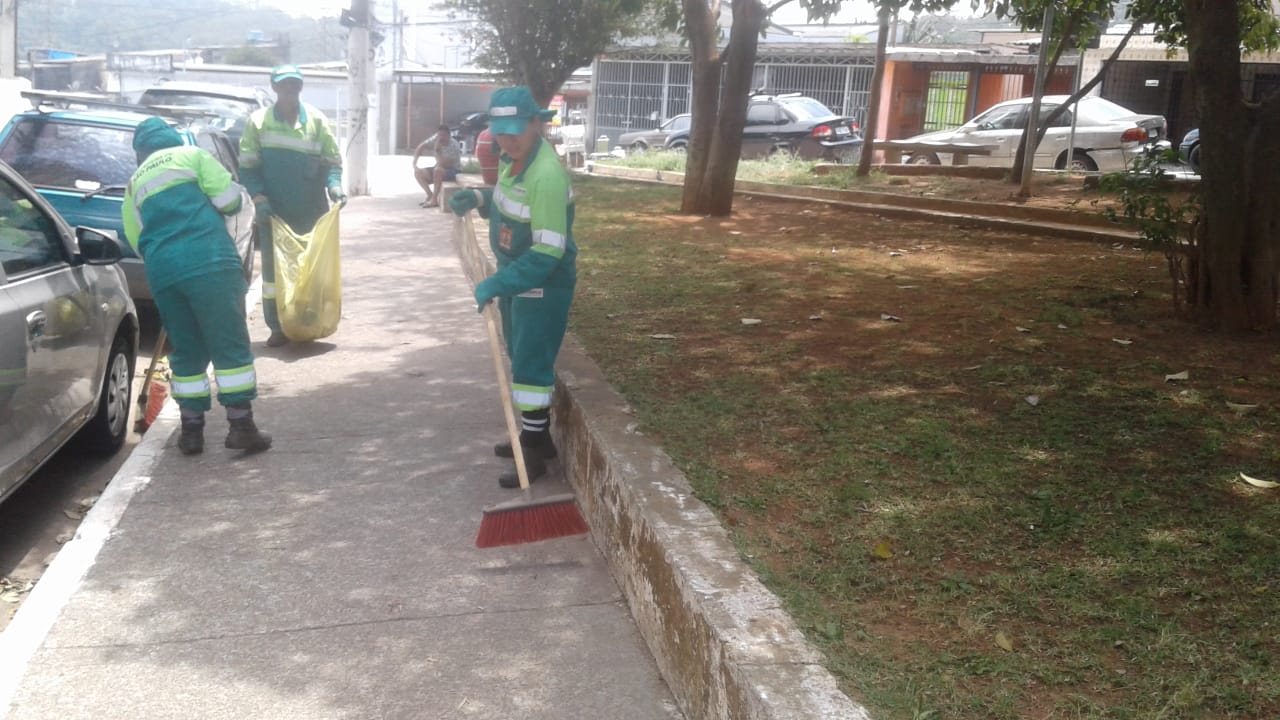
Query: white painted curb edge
31, 624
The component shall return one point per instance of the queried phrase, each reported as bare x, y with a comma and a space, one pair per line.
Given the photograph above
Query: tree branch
1089, 86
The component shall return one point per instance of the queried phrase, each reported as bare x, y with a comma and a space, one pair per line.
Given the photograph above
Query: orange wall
904, 115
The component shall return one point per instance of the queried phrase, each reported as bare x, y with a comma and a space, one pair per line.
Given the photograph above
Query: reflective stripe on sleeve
550, 238
228, 198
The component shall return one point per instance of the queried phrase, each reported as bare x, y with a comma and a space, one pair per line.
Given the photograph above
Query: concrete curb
1069, 224
31, 624
722, 641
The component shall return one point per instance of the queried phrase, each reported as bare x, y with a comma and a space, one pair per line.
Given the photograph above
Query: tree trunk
1238, 287
700, 24
1019, 159
719, 109
872, 125
1087, 87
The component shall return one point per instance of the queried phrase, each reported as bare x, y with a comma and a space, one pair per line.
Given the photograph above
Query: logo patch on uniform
504, 237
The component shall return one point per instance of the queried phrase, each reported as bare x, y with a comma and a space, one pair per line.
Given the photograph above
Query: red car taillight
823, 132
1134, 134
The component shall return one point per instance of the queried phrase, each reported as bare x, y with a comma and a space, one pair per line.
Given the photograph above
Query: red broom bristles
521, 524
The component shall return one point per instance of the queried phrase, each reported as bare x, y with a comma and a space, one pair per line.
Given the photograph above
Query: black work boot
533, 464
277, 339
191, 439
244, 434
503, 449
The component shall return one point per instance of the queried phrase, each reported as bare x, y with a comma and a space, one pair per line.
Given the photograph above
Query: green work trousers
270, 313
205, 319
534, 324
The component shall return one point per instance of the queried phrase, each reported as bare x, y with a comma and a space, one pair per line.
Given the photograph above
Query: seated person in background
448, 155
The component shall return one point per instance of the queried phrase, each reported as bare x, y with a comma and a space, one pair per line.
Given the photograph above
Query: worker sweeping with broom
530, 213
172, 212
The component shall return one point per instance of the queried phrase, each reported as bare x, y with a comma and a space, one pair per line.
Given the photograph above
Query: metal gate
641, 94
947, 101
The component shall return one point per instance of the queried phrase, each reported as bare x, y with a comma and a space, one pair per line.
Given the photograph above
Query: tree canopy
540, 43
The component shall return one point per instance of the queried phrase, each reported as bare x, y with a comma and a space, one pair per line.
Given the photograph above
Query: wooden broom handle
505, 388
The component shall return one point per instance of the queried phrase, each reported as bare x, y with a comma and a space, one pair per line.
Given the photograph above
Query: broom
142, 422
527, 519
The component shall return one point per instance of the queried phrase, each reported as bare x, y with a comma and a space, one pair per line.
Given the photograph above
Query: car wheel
105, 433
923, 159
638, 147
1193, 159
679, 146
1080, 162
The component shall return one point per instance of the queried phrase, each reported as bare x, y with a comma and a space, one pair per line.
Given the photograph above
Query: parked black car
799, 125
466, 127
1190, 149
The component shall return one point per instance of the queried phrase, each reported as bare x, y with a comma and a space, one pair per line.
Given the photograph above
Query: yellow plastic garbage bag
308, 278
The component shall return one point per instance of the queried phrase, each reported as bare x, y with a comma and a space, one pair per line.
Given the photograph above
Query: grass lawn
957, 454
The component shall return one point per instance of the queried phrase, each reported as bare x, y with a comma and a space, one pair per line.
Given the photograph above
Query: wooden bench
894, 149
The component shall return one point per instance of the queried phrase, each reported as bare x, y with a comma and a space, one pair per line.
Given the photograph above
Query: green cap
284, 72
510, 110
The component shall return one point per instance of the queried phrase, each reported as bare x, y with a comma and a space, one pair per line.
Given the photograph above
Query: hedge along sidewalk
1069, 224
721, 640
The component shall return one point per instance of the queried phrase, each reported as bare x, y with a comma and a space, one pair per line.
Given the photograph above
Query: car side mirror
98, 247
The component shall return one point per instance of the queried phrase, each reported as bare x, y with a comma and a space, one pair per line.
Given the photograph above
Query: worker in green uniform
289, 161
530, 213
173, 218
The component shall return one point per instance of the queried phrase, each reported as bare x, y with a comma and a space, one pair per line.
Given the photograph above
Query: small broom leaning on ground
527, 519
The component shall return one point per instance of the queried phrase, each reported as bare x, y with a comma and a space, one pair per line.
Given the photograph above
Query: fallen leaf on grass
1032, 400
1121, 342
73, 514
815, 317
663, 336
1265, 484
750, 321
895, 253
1021, 329
10, 596
1241, 408
882, 550
1176, 377
1004, 642
974, 367
1061, 326
890, 318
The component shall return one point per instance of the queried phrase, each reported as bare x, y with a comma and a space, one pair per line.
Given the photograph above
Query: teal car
80, 160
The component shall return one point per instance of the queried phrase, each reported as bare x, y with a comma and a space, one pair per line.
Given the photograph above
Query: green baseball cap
284, 72
510, 110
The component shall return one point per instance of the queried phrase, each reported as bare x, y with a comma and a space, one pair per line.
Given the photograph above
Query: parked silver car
1108, 137
68, 335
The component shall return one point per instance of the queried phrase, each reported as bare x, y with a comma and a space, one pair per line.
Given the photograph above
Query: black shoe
277, 339
245, 435
503, 450
191, 440
533, 464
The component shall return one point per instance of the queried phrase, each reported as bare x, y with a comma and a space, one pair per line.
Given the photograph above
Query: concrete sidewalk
335, 576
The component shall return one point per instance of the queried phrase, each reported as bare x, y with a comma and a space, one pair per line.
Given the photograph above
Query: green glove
484, 291
335, 193
463, 201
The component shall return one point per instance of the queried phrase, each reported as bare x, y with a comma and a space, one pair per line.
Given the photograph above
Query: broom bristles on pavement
521, 522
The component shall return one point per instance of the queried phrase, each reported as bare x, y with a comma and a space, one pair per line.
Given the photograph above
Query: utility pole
358, 67
8, 38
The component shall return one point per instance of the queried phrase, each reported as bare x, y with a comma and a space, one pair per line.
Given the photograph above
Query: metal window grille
638, 94
947, 102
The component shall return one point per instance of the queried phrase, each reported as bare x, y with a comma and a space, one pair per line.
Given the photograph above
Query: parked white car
1108, 137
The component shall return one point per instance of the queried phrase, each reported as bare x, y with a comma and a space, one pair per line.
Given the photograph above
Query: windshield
49, 153
220, 105
806, 108
676, 124
1104, 109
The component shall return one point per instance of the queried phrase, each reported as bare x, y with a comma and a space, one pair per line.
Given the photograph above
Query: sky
854, 10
